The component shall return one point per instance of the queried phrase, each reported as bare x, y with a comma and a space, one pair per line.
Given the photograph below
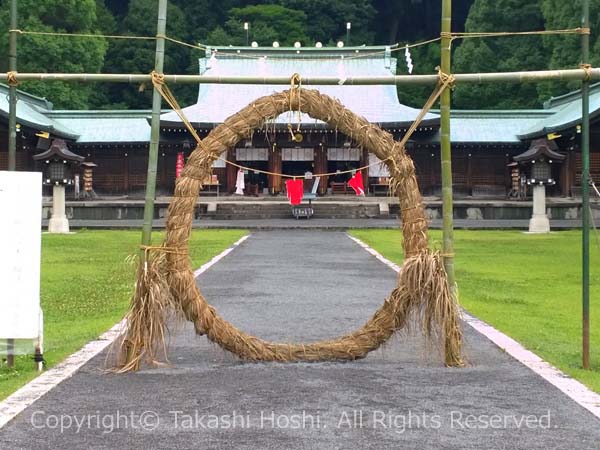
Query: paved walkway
301, 285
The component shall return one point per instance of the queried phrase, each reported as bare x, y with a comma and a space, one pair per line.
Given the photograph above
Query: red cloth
356, 183
179, 165
295, 191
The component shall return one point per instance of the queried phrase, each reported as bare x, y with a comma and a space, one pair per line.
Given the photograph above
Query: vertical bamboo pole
453, 357
155, 126
12, 90
447, 204
12, 129
585, 190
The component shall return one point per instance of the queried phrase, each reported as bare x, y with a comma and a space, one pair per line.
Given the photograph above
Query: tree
267, 22
501, 54
56, 53
564, 51
203, 16
328, 19
137, 56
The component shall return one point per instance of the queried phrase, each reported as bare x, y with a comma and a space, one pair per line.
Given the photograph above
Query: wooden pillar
364, 161
231, 171
507, 179
321, 166
571, 172
469, 173
564, 177
125, 169
161, 182
432, 170
275, 166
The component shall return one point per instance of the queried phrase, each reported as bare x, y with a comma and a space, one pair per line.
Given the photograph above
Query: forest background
220, 22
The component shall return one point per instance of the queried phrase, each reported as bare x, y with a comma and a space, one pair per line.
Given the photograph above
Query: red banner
179, 165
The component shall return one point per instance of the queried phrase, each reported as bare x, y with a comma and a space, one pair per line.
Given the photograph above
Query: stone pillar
58, 222
539, 222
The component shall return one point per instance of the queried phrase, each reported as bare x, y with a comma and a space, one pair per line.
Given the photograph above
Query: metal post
585, 189
155, 126
446, 154
12, 90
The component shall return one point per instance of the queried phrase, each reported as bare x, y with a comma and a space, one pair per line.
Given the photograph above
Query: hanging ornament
356, 183
409, 63
239, 183
295, 190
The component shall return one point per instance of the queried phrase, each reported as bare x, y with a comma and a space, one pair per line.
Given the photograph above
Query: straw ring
393, 313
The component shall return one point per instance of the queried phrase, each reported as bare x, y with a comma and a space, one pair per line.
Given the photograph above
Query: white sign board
20, 244
378, 167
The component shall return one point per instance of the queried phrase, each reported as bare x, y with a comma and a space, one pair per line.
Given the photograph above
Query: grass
527, 286
85, 288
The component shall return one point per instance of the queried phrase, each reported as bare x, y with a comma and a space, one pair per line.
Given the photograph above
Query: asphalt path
302, 285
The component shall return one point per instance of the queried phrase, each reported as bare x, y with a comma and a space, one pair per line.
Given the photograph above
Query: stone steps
267, 210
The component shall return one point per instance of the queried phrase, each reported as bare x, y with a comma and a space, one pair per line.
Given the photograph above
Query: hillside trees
57, 54
504, 54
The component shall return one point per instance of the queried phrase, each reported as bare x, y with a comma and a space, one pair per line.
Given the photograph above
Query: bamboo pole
12, 90
585, 190
446, 150
155, 127
406, 80
12, 130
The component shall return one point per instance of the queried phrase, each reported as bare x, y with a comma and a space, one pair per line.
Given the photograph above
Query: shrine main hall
484, 142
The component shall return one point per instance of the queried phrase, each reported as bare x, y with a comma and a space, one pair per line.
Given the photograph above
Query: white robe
239, 184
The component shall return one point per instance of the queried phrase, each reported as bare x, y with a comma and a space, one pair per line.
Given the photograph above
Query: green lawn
527, 286
85, 288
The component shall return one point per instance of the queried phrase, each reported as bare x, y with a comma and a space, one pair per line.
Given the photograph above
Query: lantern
541, 172
58, 161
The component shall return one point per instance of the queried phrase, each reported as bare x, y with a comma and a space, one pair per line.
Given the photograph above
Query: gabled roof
538, 148
106, 126
32, 112
59, 149
490, 126
377, 103
566, 112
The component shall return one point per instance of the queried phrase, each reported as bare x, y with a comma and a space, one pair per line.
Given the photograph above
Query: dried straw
422, 292
145, 340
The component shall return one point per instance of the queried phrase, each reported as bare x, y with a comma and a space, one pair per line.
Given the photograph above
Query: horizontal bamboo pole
470, 78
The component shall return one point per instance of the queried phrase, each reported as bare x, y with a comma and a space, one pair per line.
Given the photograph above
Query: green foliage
501, 54
564, 52
58, 54
137, 56
328, 18
268, 23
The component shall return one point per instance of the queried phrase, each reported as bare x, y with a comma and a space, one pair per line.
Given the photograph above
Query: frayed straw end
424, 281
145, 340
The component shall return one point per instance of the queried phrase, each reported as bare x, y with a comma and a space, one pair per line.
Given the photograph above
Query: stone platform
330, 207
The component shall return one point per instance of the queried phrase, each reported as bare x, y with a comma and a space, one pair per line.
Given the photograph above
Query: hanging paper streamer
239, 184
356, 183
295, 190
409, 63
